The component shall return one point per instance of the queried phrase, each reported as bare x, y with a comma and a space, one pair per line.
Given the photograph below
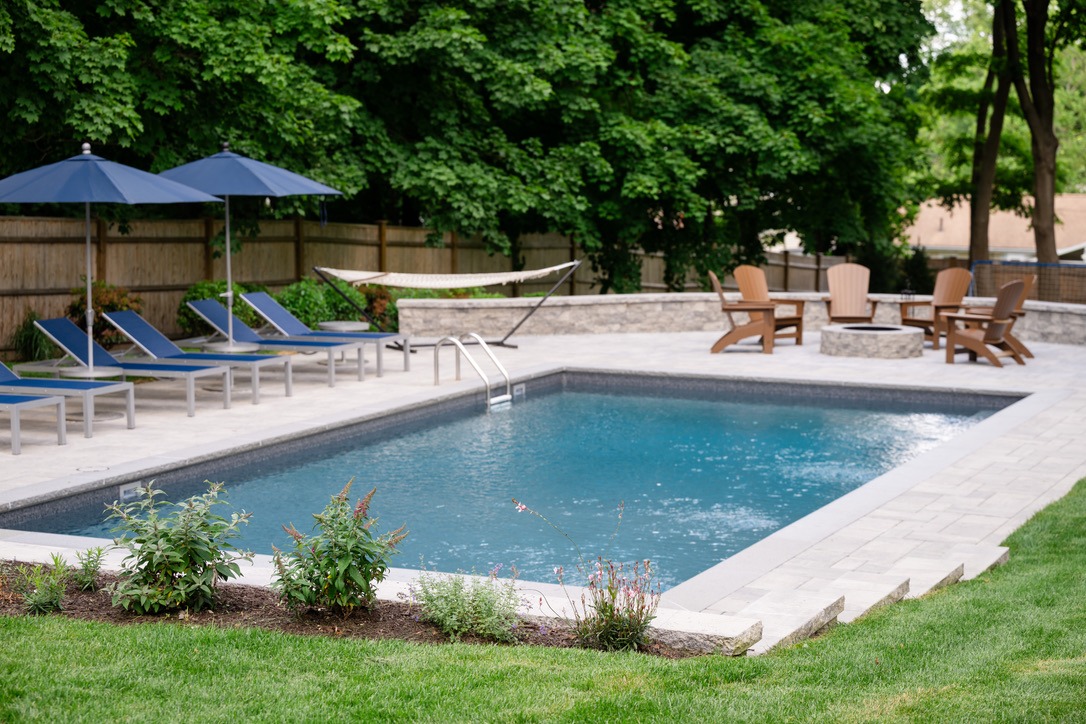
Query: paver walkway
928, 523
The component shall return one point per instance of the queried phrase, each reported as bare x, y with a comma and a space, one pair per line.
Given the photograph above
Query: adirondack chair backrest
951, 286
848, 289
752, 285
1003, 310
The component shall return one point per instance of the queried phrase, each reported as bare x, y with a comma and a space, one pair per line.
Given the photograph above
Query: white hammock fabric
439, 281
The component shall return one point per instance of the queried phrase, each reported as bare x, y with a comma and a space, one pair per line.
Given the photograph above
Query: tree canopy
704, 129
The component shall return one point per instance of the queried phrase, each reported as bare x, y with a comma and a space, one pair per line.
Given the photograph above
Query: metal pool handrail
459, 344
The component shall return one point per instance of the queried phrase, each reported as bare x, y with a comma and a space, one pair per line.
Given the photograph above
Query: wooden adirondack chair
1019, 311
985, 335
763, 321
848, 301
950, 287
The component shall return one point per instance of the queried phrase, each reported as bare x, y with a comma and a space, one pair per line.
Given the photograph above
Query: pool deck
938, 519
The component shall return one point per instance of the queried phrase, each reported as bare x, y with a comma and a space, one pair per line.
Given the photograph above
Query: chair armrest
908, 306
797, 304
749, 306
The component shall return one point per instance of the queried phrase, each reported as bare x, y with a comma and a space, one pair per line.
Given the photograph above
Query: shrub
106, 298
461, 605
29, 343
337, 567
42, 587
176, 558
340, 308
616, 607
90, 565
190, 322
306, 300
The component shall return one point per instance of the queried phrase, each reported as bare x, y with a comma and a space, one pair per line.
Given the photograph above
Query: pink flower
521, 507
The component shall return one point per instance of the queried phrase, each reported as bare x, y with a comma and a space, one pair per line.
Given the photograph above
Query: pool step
706, 633
862, 591
790, 616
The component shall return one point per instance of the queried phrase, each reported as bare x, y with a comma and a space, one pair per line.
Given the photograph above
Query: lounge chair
73, 341
984, 335
1019, 311
950, 288
288, 325
848, 300
159, 346
15, 404
760, 310
215, 314
86, 390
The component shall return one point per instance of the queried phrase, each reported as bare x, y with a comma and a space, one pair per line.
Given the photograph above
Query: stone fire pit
883, 341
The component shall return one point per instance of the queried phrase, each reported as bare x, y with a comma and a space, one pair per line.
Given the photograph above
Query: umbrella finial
86, 148
225, 146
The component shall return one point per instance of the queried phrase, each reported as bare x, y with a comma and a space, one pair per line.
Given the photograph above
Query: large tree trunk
1038, 106
986, 143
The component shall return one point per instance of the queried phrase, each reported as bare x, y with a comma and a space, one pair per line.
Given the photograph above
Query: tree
156, 84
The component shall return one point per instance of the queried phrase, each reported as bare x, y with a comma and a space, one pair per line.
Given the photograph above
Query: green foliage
339, 308
175, 557
42, 587
106, 298
29, 343
306, 300
90, 565
459, 605
336, 567
190, 322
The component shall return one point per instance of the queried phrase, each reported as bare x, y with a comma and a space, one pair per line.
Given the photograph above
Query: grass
1007, 646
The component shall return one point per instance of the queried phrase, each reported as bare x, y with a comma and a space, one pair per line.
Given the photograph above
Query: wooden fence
42, 260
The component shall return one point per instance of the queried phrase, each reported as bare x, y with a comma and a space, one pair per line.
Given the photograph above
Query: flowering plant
619, 602
469, 605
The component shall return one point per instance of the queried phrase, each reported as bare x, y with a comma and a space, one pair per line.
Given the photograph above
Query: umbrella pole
229, 283
90, 296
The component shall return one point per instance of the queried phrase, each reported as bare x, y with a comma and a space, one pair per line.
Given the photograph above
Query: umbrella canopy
88, 179
228, 174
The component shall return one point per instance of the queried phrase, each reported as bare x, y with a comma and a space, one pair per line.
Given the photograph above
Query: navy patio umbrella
89, 179
228, 174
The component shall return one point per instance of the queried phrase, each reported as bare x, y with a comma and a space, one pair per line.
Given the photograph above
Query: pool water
700, 480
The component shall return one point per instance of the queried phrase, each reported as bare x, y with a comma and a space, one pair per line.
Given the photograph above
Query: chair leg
1017, 345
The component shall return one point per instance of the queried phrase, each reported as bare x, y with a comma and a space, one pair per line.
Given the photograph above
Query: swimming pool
704, 471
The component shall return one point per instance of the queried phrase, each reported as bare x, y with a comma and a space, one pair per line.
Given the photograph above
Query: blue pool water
700, 479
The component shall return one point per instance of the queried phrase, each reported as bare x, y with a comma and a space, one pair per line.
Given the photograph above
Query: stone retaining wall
692, 312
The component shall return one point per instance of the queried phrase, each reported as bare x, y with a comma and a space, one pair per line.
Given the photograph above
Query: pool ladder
460, 349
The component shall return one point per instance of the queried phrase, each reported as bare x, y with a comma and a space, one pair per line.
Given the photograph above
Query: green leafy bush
175, 557
29, 343
307, 301
42, 587
191, 323
485, 607
336, 567
340, 308
90, 565
106, 298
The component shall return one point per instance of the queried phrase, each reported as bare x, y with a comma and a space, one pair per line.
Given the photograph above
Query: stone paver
932, 520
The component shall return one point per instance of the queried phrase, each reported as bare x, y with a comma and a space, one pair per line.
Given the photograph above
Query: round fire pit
882, 341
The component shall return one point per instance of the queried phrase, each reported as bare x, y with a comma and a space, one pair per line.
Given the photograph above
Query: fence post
382, 244
100, 229
299, 248
786, 268
209, 226
818, 271
454, 249
572, 257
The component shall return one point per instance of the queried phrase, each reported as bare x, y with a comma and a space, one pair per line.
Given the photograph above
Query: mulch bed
240, 606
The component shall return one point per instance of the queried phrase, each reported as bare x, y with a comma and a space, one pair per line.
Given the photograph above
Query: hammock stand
448, 281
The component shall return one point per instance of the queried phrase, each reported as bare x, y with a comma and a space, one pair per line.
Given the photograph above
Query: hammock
440, 281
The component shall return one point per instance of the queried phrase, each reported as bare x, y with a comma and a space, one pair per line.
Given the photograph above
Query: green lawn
1007, 646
